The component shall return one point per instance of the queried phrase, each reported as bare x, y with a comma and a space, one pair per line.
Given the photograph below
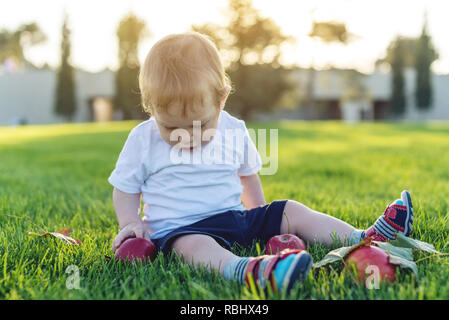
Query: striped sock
356, 236
382, 227
235, 269
385, 229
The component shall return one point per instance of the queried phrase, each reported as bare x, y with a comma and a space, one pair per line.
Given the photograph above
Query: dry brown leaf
61, 234
65, 231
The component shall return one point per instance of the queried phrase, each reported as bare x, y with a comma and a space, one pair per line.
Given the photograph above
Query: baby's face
173, 125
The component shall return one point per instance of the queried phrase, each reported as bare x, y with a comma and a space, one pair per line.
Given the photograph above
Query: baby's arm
127, 209
252, 195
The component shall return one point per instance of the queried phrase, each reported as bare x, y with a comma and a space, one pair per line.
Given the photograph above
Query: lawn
55, 177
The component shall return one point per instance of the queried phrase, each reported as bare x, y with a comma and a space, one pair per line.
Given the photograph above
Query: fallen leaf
340, 253
389, 248
61, 236
400, 252
65, 231
403, 263
407, 242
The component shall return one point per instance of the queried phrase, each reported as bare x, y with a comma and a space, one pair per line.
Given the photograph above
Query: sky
94, 23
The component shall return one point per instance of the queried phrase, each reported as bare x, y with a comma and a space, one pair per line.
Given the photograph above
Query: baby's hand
132, 230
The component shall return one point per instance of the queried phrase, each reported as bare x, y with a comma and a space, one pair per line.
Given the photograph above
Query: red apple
369, 259
136, 248
283, 241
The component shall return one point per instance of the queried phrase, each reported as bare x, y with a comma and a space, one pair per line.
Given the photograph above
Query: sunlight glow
94, 24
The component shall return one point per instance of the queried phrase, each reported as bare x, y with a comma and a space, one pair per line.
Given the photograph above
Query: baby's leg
204, 250
311, 225
199, 249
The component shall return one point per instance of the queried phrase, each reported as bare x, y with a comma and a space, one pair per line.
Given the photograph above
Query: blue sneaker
397, 218
282, 271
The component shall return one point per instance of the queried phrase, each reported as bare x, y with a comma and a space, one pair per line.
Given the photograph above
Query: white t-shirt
178, 188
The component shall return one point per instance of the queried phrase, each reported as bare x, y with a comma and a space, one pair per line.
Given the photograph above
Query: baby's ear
225, 97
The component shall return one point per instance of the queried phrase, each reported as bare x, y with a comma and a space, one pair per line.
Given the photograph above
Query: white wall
91, 85
30, 94
440, 108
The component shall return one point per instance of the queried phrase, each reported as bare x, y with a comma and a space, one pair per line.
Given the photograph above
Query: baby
201, 191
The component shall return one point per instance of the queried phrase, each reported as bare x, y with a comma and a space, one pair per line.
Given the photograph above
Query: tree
130, 32
426, 54
331, 32
14, 43
250, 46
409, 45
65, 88
408, 52
398, 101
327, 32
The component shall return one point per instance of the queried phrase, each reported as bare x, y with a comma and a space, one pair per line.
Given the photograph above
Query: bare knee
294, 213
189, 243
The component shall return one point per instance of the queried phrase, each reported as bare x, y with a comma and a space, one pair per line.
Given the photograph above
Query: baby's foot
283, 269
397, 218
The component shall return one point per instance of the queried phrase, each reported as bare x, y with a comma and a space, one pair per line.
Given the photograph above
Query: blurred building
353, 96
28, 96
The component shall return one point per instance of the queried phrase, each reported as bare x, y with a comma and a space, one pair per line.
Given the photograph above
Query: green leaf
339, 254
400, 252
404, 263
405, 253
406, 242
334, 256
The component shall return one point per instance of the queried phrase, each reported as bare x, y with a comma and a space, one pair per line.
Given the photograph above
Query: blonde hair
182, 69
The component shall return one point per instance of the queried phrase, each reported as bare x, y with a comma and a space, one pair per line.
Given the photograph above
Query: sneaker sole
407, 200
299, 269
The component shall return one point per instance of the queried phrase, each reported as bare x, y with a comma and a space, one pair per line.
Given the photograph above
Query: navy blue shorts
233, 226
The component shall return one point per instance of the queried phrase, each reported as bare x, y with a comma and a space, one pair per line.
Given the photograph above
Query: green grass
57, 177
